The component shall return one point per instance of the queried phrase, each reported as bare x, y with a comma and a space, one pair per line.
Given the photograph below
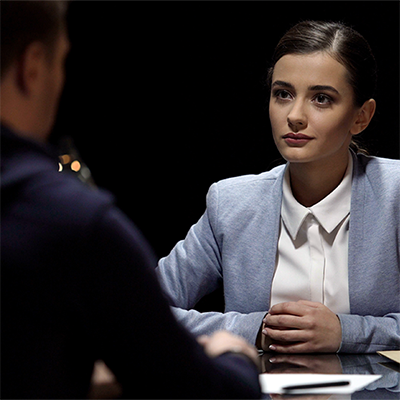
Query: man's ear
30, 67
364, 117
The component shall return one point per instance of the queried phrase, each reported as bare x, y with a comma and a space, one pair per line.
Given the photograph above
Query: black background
164, 98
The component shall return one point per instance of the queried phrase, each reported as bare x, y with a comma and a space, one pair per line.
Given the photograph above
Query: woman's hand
302, 327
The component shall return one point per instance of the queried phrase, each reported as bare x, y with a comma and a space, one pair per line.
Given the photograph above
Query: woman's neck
312, 182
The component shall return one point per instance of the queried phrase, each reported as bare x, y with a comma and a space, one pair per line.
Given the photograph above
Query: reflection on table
104, 385
387, 387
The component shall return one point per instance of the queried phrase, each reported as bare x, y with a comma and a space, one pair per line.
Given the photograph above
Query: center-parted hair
342, 43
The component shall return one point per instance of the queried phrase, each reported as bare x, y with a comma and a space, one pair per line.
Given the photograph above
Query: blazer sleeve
194, 269
368, 334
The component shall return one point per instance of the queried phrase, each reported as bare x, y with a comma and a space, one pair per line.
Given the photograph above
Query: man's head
33, 51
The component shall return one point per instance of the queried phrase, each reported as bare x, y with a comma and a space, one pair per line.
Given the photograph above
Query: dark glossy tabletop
387, 387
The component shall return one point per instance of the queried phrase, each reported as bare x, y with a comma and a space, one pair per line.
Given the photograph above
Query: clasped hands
300, 327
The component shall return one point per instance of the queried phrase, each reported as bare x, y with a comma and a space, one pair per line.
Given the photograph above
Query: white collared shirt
312, 256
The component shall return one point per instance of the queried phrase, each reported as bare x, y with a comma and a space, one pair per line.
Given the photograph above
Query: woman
307, 253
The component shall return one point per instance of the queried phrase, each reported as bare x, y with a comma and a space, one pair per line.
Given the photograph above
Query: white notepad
275, 383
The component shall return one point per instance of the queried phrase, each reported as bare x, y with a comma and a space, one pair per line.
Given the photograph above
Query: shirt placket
317, 259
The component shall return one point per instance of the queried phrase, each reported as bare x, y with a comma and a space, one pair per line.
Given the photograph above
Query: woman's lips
296, 139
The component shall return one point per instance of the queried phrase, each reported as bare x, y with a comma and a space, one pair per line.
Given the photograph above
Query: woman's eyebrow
323, 87
283, 83
310, 88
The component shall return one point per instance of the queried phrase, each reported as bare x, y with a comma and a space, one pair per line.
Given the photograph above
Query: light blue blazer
234, 244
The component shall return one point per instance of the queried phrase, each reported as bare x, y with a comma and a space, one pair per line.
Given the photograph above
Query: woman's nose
297, 119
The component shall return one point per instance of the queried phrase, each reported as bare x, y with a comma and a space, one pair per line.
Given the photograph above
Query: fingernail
264, 331
272, 360
272, 347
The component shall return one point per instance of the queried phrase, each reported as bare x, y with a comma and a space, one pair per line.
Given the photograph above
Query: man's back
78, 285
45, 218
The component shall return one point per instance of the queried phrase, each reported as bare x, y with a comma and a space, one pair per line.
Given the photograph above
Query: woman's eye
282, 94
323, 99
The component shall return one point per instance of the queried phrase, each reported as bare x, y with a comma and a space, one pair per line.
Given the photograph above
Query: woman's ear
364, 117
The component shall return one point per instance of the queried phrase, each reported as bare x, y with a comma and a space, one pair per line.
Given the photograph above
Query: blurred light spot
75, 166
65, 159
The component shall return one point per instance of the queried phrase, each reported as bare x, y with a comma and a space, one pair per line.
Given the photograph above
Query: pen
315, 385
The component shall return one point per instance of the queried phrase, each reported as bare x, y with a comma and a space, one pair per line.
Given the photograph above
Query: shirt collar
329, 212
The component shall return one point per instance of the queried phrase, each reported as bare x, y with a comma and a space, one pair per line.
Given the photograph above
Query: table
387, 387
104, 385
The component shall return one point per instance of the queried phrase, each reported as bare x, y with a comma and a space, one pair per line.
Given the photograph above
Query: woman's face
311, 108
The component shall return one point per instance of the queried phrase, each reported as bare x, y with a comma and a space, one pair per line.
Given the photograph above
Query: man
77, 277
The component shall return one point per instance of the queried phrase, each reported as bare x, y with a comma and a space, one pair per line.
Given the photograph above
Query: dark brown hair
342, 43
23, 22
